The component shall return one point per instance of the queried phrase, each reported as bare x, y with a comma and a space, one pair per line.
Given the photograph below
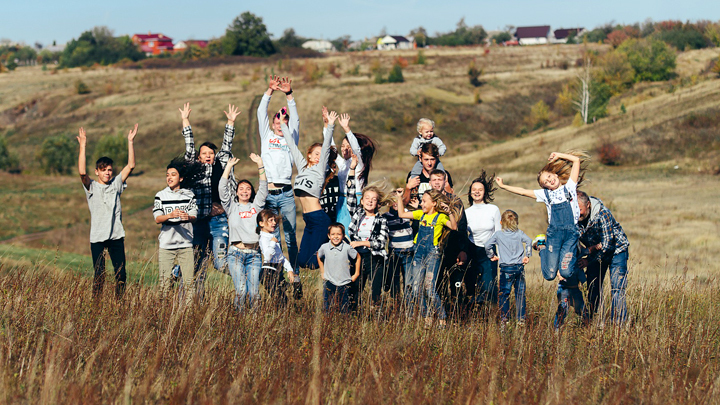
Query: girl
368, 234
273, 260
512, 258
434, 215
308, 187
242, 206
559, 180
483, 220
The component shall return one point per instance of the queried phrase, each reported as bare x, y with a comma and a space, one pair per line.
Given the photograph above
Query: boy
334, 259
103, 197
176, 210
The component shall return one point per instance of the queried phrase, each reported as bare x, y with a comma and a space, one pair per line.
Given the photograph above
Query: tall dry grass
58, 346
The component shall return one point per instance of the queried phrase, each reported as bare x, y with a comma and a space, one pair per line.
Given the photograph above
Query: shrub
81, 87
616, 71
112, 146
227, 76
379, 79
420, 58
608, 152
474, 74
652, 59
354, 71
389, 124
564, 102
396, 75
57, 154
402, 62
8, 160
716, 68
539, 115
312, 71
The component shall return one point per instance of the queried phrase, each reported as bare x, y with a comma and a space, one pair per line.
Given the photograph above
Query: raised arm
262, 111
262, 191
327, 140
125, 173
352, 140
82, 163
285, 85
575, 170
452, 222
187, 132
515, 190
401, 209
225, 152
350, 190
298, 157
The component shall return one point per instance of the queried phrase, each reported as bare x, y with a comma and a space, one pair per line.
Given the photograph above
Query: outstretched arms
401, 207
82, 163
515, 190
225, 151
125, 173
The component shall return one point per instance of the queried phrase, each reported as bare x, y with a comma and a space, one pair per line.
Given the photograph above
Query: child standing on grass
242, 206
106, 229
175, 208
426, 134
400, 246
512, 257
335, 258
273, 260
435, 213
559, 180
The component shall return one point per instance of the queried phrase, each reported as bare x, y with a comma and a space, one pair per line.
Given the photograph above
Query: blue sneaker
176, 273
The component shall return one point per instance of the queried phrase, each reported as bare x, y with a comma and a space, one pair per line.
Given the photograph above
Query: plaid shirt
379, 236
203, 190
604, 229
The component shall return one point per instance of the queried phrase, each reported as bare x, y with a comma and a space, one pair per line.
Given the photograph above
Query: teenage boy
210, 230
334, 258
106, 229
278, 161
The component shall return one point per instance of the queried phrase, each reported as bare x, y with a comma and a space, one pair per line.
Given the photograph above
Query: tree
99, 46
395, 75
501, 37
652, 59
583, 98
57, 154
712, 33
8, 160
112, 145
616, 71
420, 35
247, 35
290, 40
341, 43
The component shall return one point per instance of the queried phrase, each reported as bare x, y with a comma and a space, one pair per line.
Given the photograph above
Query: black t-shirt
425, 183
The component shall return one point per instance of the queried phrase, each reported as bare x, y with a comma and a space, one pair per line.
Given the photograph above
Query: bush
112, 146
501, 37
57, 154
616, 71
683, 37
539, 115
474, 74
396, 75
8, 160
652, 59
608, 152
420, 58
379, 79
81, 87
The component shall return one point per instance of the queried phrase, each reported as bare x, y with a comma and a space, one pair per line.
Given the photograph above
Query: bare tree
583, 100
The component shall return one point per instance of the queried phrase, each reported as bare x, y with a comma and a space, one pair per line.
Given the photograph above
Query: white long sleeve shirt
483, 220
275, 152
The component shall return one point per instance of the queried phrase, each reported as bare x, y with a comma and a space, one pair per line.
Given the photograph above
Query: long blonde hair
382, 189
562, 167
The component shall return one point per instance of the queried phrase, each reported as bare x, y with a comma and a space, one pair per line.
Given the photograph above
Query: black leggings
373, 268
274, 282
116, 248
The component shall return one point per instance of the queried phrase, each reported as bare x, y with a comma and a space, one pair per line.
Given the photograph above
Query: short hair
438, 172
263, 216
208, 144
425, 121
103, 162
336, 225
582, 197
430, 149
509, 220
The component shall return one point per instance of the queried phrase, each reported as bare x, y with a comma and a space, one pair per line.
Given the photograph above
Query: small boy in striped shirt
400, 246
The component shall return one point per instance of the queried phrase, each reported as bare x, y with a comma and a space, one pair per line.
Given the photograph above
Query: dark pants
398, 264
372, 270
569, 296
618, 281
116, 248
335, 297
314, 235
486, 289
274, 282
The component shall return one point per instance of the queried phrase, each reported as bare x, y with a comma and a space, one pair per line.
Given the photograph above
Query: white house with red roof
153, 44
182, 45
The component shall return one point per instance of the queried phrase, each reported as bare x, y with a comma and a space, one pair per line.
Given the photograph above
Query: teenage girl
435, 213
559, 180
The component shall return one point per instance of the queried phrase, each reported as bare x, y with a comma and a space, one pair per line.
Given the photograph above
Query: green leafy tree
615, 70
290, 40
247, 35
99, 46
501, 37
113, 146
652, 59
463, 35
57, 154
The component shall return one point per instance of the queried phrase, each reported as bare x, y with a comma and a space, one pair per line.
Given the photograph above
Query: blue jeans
512, 276
335, 297
420, 282
569, 296
284, 204
560, 253
314, 235
486, 271
209, 233
618, 283
244, 267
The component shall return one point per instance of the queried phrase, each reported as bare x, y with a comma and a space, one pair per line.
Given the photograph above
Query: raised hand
232, 161
285, 85
132, 133
332, 117
232, 112
413, 182
554, 156
499, 181
345, 122
353, 161
82, 140
325, 115
274, 83
257, 159
185, 111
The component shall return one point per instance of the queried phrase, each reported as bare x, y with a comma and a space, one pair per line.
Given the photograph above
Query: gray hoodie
242, 218
310, 179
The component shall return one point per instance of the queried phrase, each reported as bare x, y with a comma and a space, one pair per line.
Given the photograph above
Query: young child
176, 210
242, 205
368, 235
273, 260
512, 257
334, 258
400, 245
426, 134
106, 229
435, 213
559, 180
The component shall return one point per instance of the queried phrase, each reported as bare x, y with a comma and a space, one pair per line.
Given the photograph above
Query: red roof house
153, 44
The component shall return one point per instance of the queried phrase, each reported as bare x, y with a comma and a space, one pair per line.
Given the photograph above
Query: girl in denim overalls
434, 215
559, 180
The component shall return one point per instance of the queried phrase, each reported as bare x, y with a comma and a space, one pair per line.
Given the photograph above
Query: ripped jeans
560, 253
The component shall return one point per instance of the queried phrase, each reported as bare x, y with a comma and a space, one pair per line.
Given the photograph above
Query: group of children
205, 209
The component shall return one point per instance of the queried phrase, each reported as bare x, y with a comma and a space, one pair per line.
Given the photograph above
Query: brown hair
509, 220
489, 185
336, 225
562, 167
430, 149
264, 216
310, 149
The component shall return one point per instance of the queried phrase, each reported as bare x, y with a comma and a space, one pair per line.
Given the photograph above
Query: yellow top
427, 221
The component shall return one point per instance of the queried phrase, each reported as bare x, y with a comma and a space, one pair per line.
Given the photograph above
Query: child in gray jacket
426, 134
512, 257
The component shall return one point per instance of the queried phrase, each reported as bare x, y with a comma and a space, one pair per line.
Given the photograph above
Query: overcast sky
45, 21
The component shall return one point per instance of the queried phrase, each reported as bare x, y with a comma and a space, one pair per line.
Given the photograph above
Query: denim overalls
424, 272
560, 252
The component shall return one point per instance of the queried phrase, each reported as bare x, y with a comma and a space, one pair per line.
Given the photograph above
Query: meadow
57, 346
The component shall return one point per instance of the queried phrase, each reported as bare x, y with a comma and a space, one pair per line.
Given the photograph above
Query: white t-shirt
557, 196
365, 228
483, 220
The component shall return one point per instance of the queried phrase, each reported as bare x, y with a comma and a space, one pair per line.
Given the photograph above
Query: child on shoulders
426, 134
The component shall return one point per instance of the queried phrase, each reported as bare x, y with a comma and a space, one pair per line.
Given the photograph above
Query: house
538, 35
183, 45
153, 44
319, 45
390, 42
561, 35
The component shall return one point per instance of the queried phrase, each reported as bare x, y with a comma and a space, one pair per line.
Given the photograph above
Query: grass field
57, 346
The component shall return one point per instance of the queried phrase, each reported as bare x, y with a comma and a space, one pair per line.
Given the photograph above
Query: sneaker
297, 290
176, 273
539, 242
